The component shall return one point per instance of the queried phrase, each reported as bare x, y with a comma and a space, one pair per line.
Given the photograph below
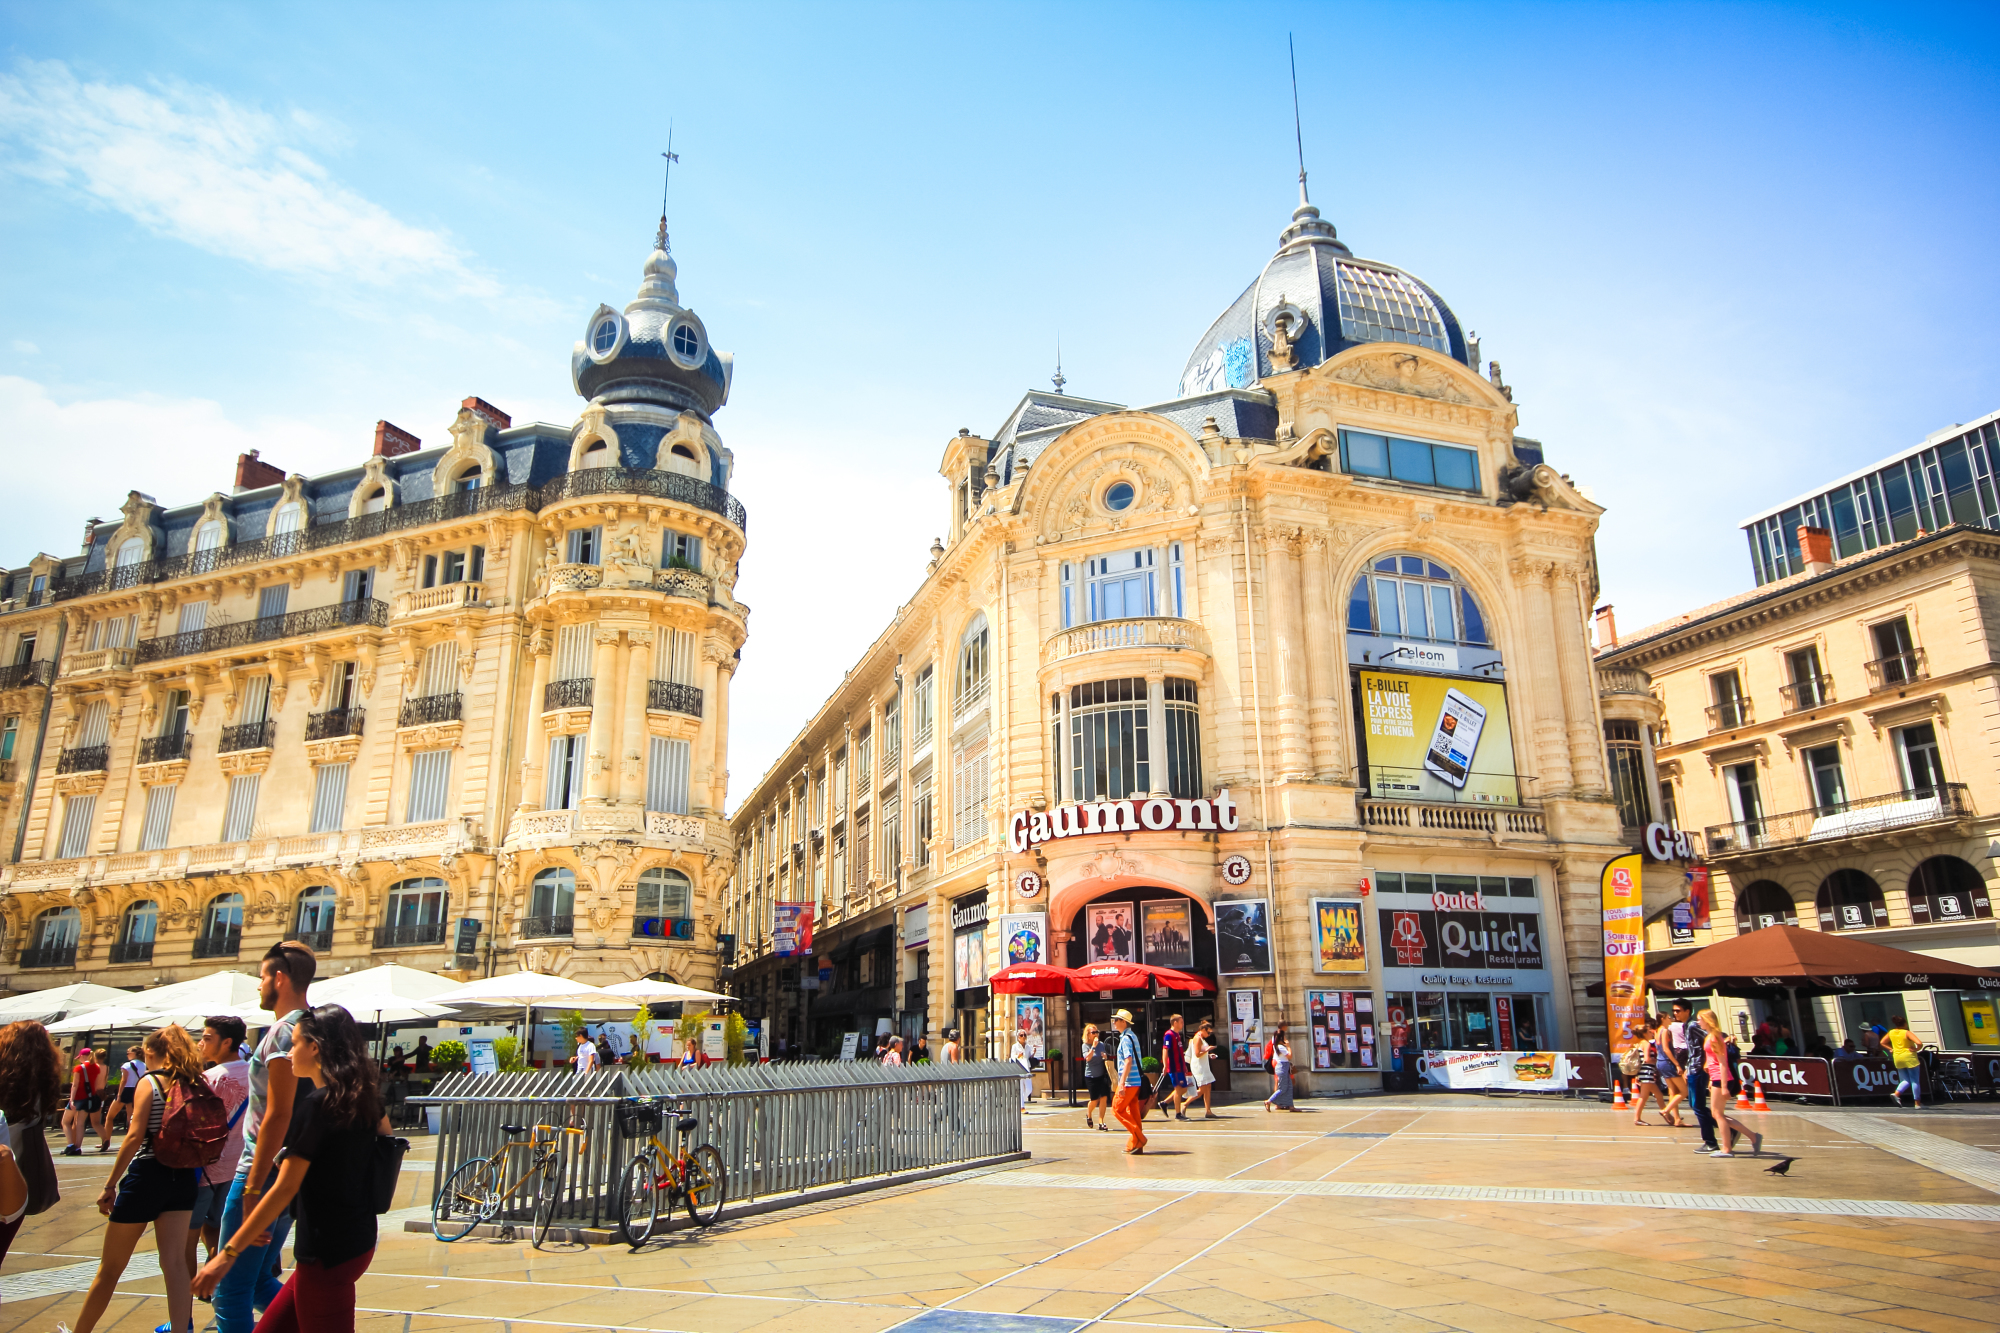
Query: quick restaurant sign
1156, 814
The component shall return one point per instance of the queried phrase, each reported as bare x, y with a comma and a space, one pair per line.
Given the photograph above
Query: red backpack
193, 1126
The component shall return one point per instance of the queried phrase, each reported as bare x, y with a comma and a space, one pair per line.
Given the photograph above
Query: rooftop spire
1057, 379
660, 240
1298, 130
1307, 225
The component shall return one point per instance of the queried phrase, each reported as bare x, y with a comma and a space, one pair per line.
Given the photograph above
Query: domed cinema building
1284, 682
461, 707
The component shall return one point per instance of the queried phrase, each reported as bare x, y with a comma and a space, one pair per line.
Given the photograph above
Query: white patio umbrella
390, 993
71, 999
531, 991
650, 991
217, 993
108, 1018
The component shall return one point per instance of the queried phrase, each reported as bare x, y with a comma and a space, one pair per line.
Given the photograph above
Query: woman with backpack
151, 1182
328, 1166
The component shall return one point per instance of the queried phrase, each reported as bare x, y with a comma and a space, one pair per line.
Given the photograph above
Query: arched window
211, 536
221, 927
1945, 888
597, 454
1764, 904
56, 928
314, 923
552, 904
416, 914
1850, 900
375, 501
665, 901
468, 480
131, 553
1407, 597
137, 927
974, 665
289, 518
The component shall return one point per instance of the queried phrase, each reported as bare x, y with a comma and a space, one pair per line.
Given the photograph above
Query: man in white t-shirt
230, 1077
586, 1055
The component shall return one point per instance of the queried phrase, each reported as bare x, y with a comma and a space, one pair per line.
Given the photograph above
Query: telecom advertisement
1437, 738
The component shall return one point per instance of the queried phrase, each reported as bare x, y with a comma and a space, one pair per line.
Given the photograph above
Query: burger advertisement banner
1438, 738
1624, 951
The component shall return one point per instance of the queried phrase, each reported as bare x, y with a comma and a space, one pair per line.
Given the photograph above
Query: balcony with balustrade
388, 842
132, 951
668, 696
562, 694
1898, 670
431, 709
99, 662
219, 943
335, 723
1807, 693
248, 736
446, 597
315, 621
547, 927
48, 955
167, 749
1729, 715
420, 936
1841, 827
84, 759
1130, 645
27, 675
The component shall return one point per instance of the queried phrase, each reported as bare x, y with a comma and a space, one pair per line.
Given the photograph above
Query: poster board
1167, 932
791, 929
1031, 1026
1110, 934
1243, 936
968, 958
1438, 738
849, 1041
1339, 940
1522, 1071
480, 1057
1246, 1029
1343, 1029
1024, 937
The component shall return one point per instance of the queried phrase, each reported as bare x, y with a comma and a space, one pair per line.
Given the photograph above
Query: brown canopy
1811, 960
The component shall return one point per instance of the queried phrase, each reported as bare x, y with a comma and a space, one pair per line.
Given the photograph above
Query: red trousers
316, 1299
1130, 1112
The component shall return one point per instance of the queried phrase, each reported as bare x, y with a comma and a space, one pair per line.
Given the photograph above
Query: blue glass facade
1934, 486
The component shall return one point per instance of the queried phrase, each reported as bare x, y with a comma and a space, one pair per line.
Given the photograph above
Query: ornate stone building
460, 707
1285, 682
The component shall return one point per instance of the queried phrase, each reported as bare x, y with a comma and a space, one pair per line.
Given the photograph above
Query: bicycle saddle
686, 1124
515, 1129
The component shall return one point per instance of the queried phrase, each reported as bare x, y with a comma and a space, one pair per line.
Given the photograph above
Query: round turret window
685, 341
604, 336
1119, 495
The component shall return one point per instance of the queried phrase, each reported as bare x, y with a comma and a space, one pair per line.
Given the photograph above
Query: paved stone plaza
1380, 1215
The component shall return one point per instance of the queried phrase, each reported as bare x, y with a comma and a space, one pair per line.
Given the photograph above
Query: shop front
1157, 927
970, 995
1465, 964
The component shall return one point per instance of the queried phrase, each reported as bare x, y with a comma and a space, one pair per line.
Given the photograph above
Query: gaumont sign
1664, 842
1075, 819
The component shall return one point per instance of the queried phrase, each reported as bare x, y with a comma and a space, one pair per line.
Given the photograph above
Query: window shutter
78, 811
565, 782
329, 798
574, 651
159, 817
676, 655
241, 813
273, 600
429, 772
96, 724
667, 766
968, 792
256, 700
209, 538
194, 616
441, 668
290, 519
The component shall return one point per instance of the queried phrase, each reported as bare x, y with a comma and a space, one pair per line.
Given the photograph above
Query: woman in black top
328, 1165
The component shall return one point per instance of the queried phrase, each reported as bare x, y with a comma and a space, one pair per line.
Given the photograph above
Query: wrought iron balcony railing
219, 943
574, 693
1729, 714
319, 941
1945, 803
409, 937
547, 927
335, 722
249, 736
132, 951
674, 697
21, 675
1886, 673
291, 625
166, 749
1806, 693
430, 708
84, 759
49, 955
646, 481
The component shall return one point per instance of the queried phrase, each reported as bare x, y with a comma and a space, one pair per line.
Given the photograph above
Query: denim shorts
151, 1188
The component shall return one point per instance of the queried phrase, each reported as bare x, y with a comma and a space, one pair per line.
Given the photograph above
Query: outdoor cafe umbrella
531, 991
665, 991
75, 998
216, 993
390, 993
108, 1018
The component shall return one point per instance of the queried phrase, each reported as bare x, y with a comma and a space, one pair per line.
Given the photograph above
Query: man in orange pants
1127, 1106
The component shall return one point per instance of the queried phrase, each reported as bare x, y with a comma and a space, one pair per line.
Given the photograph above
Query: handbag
387, 1169
38, 1168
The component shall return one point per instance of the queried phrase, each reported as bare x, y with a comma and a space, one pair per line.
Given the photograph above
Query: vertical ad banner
1438, 738
792, 929
1338, 944
1624, 952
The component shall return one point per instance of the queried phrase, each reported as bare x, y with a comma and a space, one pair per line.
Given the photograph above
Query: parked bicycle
473, 1195
693, 1176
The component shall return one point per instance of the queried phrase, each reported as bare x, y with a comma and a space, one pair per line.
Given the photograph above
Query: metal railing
219, 943
674, 697
409, 937
132, 951
1168, 632
20, 675
49, 955
319, 941
247, 736
645, 481
547, 927
335, 722
166, 749
84, 759
1886, 673
781, 1128
1807, 692
1944, 803
429, 708
291, 625
574, 693
1729, 714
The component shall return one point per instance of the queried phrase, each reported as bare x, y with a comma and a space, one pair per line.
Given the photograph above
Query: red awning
1175, 979
1112, 976
1031, 979
1811, 960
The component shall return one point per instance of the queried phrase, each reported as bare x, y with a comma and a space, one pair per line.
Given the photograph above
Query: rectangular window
329, 805
1627, 756
837, 864
96, 725
667, 776
273, 600
78, 811
1183, 739
1177, 578
96, 639
256, 704
575, 649
891, 841
193, 617
678, 656
177, 714
1120, 585
1110, 753
430, 772
680, 550
1730, 709
1746, 809
892, 736
1808, 688
1069, 593
840, 786
240, 814
926, 708
153, 834
430, 571
1895, 652
585, 545
475, 564
440, 668
1918, 756
357, 585
24, 649
564, 787
1669, 807
1367, 454
10, 732
969, 793
454, 567
922, 810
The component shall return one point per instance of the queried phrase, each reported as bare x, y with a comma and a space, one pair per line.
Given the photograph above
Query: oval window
685, 342
604, 336
1119, 495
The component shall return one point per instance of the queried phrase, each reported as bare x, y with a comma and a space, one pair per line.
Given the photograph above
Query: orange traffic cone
1617, 1094
1743, 1097
1762, 1105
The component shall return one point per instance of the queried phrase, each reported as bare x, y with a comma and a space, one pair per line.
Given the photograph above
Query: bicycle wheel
545, 1198
638, 1200
706, 1184
467, 1199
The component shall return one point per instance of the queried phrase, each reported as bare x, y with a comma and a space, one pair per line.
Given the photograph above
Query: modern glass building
1947, 479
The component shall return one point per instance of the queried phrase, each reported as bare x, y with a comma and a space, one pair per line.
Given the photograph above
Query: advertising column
1624, 952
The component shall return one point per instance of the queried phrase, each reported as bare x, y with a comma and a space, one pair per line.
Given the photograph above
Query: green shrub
447, 1056
1148, 1064
507, 1054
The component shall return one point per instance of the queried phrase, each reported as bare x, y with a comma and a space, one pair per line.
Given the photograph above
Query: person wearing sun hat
1128, 1105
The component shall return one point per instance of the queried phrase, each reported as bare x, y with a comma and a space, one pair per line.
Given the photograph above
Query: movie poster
1169, 933
1031, 1026
1024, 937
968, 957
1437, 738
1243, 936
1338, 943
1109, 936
791, 929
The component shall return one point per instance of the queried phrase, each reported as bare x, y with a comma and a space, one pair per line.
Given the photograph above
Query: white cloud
24, 347
193, 165
75, 460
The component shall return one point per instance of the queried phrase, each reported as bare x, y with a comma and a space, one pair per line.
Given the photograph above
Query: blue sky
1722, 252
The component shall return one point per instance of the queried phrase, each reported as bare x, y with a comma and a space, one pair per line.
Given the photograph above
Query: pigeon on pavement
1783, 1167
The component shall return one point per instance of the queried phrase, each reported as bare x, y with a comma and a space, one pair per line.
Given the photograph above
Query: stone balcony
443, 599
543, 828
390, 842
98, 662
1153, 633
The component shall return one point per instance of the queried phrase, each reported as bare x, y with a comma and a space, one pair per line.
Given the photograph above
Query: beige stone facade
464, 708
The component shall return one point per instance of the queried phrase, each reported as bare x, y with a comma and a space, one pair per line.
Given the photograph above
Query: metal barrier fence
780, 1128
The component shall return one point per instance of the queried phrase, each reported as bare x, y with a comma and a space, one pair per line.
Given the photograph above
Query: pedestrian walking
31, 1094
143, 1190
283, 976
1019, 1055
1715, 1057
1684, 1037
1128, 1105
1668, 1076
230, 1077
584, 1057
329, 1170
894, 1055
920, 1052
86, 1092
1201, 1067
950, 1052
1904, 1052
1174, 1069
1096, 1077
129, 1075
1280, 1063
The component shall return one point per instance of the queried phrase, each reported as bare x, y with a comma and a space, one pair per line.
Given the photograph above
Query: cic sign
1157, 814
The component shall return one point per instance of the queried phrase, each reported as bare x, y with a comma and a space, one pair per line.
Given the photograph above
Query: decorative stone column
1579, 683
538, 739
1281, 594
702, 761
1545, 675
1156, 725
601, 781
1323, 672
718, 798
632, 743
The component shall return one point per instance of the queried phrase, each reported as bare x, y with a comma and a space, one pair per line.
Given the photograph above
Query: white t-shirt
586, 1058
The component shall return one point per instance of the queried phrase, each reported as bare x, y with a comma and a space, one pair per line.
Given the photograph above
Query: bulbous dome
655, 351
1324, 301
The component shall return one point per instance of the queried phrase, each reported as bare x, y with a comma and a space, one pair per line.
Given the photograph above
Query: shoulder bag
387, 1169
38, 1168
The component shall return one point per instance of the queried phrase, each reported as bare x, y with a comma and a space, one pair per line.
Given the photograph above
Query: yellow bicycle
473, 1195
693, 1175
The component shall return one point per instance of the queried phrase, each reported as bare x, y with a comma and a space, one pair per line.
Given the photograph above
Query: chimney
488, 413
1607, 629
1816, 544
90, 526
392, 440
252, 473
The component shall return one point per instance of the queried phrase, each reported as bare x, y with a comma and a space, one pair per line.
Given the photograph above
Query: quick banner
1854, 1080
1524, 1071
1438, 738
1624, 952
1794, 1076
